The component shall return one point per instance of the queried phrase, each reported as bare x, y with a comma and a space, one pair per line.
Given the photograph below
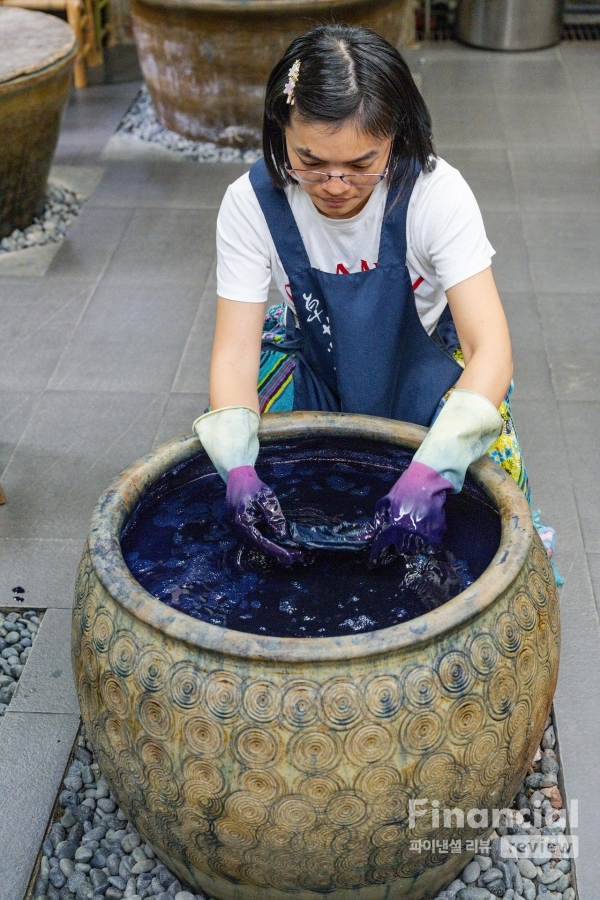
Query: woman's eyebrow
305, 151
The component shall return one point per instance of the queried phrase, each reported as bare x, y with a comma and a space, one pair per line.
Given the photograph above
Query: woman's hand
252, 505
466, 427
230, 438
412, 514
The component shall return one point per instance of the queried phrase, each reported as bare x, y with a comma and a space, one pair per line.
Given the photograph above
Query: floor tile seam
576, 99
157, 207
17, 446
38, 540
571, 291
25, 396
507, 141
186, 393
546, 341
579, 535
46, 322
175, 393
210, 281
39, 712
134, 421
532, 277
528, 207
167, 209
118, 391
86, 305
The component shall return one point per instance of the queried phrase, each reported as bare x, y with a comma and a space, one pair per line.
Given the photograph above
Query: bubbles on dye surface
180, 549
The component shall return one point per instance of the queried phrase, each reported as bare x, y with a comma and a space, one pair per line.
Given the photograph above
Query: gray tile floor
107, 354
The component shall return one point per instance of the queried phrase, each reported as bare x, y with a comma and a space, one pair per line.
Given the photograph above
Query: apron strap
392, 243
286, 235
280, 220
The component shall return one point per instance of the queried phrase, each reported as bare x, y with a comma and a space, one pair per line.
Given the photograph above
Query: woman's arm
235, 357
483, 334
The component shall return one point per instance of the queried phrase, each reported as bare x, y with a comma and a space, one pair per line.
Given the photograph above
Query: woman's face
315, 146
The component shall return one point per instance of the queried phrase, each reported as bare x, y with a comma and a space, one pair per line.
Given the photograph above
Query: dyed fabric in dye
181, 550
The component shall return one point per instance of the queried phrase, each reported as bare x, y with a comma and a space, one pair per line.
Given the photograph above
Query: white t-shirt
446, 240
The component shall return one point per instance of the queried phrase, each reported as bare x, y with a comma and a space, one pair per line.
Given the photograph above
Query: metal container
510, 24
266, 768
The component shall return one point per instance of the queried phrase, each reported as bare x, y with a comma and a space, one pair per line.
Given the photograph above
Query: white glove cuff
230, 437
464, 430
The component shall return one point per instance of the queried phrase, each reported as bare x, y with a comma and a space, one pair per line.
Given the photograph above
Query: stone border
29, 252
60, 211
140, 129
11, 636
95, 830
512, 878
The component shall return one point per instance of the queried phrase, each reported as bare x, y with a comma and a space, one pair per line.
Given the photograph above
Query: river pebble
471, 873
17, 632
61, 209
233, 144
538, 809
92, 853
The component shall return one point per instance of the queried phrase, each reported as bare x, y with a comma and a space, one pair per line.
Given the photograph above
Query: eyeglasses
308, 176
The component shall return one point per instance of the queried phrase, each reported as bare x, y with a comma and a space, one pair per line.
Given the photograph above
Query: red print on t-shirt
364, 267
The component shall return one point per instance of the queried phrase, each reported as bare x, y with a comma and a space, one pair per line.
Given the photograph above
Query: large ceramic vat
206, 62
262, 767
36, 57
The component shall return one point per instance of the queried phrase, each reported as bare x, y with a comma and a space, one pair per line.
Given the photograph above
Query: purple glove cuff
420, 480
252, 508
414, 508
242, 482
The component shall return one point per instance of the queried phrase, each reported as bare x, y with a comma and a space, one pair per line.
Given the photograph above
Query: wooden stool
85, 18
36, 58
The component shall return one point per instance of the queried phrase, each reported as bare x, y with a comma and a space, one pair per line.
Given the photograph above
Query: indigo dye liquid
180, 549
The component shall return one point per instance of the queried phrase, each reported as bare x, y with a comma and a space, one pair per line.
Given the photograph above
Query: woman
379, 252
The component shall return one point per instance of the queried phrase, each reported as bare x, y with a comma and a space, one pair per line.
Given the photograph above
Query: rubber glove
230, 438
413, 511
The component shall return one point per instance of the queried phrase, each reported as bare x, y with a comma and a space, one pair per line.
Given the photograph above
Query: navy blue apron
360, 346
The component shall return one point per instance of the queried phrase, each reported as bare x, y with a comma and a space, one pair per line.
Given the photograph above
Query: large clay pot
259, 767
36, 57
206, 62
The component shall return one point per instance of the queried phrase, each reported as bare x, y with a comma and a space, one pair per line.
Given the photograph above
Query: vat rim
114, 507
250, 7
62, 58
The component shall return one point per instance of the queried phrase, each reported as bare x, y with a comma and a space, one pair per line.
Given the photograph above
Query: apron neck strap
392, 243
288, 240
280, 220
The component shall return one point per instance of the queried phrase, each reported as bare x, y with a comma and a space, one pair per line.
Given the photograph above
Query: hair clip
293, 78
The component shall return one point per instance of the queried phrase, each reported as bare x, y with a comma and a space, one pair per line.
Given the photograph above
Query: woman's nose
335, 186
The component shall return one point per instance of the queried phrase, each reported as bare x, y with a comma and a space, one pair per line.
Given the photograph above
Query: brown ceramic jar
206, 62
36, 57
261, 767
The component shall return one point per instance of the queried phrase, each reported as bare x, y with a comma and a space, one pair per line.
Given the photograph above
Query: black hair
349, 73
